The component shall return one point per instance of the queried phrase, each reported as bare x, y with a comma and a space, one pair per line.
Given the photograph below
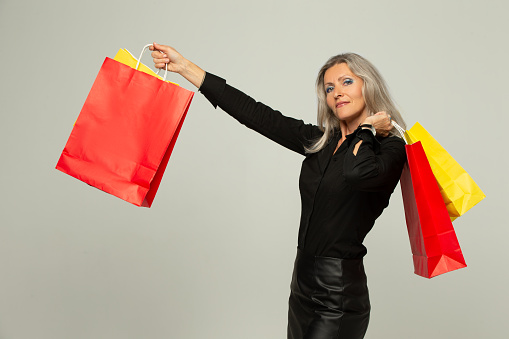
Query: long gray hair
374, 91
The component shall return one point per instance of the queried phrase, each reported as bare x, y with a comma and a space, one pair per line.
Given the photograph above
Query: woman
351, 167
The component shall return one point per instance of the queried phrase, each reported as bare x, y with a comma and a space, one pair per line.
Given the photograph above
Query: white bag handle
139, 60
400, 130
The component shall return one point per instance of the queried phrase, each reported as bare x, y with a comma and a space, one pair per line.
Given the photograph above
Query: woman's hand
165, 55
381, 121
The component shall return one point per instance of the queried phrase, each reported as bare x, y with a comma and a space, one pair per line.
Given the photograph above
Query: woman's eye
348, 82
328, 89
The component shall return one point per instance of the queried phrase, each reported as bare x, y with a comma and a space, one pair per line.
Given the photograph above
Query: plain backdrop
213, 256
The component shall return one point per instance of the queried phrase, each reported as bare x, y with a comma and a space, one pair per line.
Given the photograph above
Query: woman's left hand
381, 121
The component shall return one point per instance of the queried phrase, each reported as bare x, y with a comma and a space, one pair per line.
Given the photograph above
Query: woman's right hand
166, 55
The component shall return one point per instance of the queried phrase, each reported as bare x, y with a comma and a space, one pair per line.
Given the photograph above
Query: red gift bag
434, 244
125, 133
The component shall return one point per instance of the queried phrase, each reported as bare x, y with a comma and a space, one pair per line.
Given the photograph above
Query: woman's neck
348, 127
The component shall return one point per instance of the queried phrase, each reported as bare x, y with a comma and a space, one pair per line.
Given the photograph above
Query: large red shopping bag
434, 244
125, 133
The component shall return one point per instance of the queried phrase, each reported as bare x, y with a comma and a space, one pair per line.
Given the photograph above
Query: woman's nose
338, 93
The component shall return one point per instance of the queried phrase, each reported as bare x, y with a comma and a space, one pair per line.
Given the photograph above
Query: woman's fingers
158, 46
384, 114
382, 123
162, 48
163, 55
158, 54
160, 58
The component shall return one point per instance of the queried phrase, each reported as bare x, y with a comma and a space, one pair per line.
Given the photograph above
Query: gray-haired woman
352, 165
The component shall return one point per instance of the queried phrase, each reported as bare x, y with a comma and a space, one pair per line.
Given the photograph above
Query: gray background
213, 256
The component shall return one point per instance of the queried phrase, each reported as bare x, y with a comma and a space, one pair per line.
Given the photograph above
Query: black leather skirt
329, 298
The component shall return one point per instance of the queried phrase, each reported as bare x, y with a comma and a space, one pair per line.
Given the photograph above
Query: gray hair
374, 91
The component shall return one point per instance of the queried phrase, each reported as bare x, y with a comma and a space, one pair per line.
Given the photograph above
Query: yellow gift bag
459, 191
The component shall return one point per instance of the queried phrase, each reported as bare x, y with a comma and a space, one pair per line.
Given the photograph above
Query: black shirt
342, 194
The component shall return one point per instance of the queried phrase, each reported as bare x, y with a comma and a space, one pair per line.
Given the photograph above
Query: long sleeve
289, 132
377, 165
342, 194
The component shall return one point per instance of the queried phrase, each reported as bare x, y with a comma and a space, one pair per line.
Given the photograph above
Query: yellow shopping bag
125, 57
458, 189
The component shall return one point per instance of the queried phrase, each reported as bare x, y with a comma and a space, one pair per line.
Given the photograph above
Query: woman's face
343, 90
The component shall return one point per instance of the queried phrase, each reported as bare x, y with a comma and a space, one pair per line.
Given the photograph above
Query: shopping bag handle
400, 130
139, 60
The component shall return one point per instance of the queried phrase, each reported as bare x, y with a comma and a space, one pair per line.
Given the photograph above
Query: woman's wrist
369, 127
192, 73
367, 121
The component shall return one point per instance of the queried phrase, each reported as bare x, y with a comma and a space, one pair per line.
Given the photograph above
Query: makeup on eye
346, 82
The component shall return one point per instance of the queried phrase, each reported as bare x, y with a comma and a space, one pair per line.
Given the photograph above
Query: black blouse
342, 194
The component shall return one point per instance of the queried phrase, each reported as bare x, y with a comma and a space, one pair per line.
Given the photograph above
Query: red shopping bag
434, 244
125, 133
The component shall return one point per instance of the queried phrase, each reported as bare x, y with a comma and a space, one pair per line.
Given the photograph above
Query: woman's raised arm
163, 55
